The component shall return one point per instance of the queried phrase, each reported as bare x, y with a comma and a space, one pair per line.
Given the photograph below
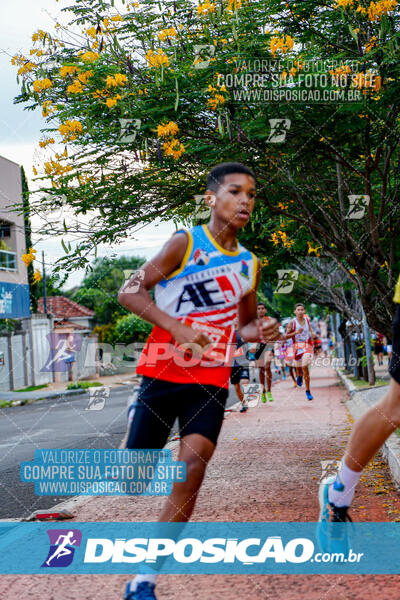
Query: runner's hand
183, 334
269, 330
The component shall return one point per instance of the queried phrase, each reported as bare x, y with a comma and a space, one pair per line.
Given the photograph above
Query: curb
24, 398
357, 406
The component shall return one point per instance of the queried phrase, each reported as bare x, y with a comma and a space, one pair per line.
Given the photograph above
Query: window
8, 261
5, 229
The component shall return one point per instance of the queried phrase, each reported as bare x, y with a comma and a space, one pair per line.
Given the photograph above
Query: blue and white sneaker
309, 395
333, 526
144, 591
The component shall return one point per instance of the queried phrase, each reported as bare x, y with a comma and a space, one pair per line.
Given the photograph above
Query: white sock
349, 480
139, 578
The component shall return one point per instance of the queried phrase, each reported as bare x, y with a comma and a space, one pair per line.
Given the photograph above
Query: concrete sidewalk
267, 467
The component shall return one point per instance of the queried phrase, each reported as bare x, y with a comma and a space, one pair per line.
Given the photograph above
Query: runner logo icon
61, 551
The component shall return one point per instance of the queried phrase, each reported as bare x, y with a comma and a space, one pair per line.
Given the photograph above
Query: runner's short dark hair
298, 304
262, 304
217, 174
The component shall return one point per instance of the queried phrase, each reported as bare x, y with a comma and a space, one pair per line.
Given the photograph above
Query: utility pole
44, 285
368, 353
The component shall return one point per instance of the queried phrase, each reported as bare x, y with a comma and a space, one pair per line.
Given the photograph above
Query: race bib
221, 348
302, 348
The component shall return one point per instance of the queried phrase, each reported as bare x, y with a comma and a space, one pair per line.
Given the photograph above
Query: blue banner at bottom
200, 548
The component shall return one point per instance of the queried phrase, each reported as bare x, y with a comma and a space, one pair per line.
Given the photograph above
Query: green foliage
331, 151
131, 328
83, 385
99, 289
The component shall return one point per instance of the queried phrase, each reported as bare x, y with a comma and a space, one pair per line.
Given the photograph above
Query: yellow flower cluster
38, 35
382, 7
282, 206
157, 59
342, 70
312, 249
26, 66
29, 257
206, 8
90, 56
118, 79
233, 5
41, 84
75, 87
18, 59
167, 33
367, 80
371, 44
84, 76
91, 32
344, 3
46, 142
53, 167
174, 148
66, 70
282, 236
48, 108
113, 101
282, 44
37, 276
116, 18
70, 129
170, 128
217, 98
100, 93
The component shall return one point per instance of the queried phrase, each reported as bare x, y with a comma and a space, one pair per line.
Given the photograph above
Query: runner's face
234, 200
299, 312
261, 311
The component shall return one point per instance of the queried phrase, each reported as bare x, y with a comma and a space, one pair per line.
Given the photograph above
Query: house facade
14, 289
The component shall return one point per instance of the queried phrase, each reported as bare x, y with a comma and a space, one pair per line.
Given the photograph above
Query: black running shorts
198, 407
239, 373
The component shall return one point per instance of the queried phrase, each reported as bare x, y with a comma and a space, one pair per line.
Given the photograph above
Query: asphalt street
57, 423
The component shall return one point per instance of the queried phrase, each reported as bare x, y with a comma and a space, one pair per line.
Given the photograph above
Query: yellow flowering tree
146, 100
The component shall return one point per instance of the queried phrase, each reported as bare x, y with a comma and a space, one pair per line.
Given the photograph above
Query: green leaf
177, 95
220, 126
64, 246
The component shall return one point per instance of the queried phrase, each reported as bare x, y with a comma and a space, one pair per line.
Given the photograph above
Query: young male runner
299, 329
203, 280
367, 437
264, 356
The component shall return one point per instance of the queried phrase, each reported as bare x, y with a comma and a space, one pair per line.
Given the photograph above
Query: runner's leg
195, 450
239, 392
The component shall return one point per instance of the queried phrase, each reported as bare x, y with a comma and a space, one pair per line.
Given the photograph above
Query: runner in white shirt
299, 329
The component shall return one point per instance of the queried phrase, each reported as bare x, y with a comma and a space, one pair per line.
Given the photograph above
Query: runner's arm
250, 328
134, 294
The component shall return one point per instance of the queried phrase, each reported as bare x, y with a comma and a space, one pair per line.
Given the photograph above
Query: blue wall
14, 300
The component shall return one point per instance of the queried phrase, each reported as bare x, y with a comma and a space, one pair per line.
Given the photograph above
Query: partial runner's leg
195, 450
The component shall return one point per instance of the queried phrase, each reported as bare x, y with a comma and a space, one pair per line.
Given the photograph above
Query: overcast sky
20, 130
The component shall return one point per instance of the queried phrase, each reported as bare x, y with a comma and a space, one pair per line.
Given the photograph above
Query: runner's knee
390, 405
195, 469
